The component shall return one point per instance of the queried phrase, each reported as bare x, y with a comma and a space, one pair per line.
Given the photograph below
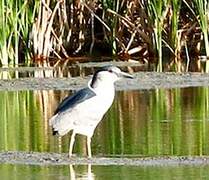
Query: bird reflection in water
89, 175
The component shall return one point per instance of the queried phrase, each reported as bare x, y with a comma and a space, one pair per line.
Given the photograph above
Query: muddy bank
36, 158
142, 80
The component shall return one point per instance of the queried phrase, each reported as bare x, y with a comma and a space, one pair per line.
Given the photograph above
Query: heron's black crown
109, 68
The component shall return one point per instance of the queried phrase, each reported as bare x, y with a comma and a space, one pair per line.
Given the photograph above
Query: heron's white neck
102, 87
105, 93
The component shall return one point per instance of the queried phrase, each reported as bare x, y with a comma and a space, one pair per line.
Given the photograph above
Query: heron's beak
126, 75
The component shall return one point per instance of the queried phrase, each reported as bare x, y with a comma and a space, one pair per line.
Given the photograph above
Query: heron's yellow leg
72, 140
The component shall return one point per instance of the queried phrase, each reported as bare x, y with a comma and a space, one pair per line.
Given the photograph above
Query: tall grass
15, 19
44, 30
115, 7
158, 11
202, 11
175, 35
176, 6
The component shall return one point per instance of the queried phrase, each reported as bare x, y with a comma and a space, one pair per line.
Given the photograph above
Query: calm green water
23, 172
139, 123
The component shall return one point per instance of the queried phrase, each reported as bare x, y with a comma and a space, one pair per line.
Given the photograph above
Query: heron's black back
71, 101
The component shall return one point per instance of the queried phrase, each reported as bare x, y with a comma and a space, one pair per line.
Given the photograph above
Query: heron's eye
110, 71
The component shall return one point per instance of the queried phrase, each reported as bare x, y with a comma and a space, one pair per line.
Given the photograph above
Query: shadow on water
139, 123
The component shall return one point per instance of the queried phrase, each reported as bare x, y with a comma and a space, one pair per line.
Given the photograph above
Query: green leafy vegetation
165, 32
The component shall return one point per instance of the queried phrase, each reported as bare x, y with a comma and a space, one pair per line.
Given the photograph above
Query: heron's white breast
99, 104
90, 112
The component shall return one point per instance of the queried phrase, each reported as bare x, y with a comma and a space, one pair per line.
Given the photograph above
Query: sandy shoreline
141, 81
37, 158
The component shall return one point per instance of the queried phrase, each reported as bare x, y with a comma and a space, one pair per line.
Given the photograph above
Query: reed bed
173, 34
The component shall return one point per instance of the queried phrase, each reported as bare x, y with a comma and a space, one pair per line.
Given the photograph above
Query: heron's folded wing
71, 101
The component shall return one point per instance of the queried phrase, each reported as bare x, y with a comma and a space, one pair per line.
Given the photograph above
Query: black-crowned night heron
82, 111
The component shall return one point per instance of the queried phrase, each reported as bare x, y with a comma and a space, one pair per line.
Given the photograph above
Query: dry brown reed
125, 28
166, 32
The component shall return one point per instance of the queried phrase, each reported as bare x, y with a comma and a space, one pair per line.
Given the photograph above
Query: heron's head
108, 74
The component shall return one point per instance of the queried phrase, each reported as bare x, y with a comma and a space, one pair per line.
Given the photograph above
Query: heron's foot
70, 155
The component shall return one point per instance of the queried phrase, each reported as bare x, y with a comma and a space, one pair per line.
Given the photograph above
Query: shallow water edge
141, 81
